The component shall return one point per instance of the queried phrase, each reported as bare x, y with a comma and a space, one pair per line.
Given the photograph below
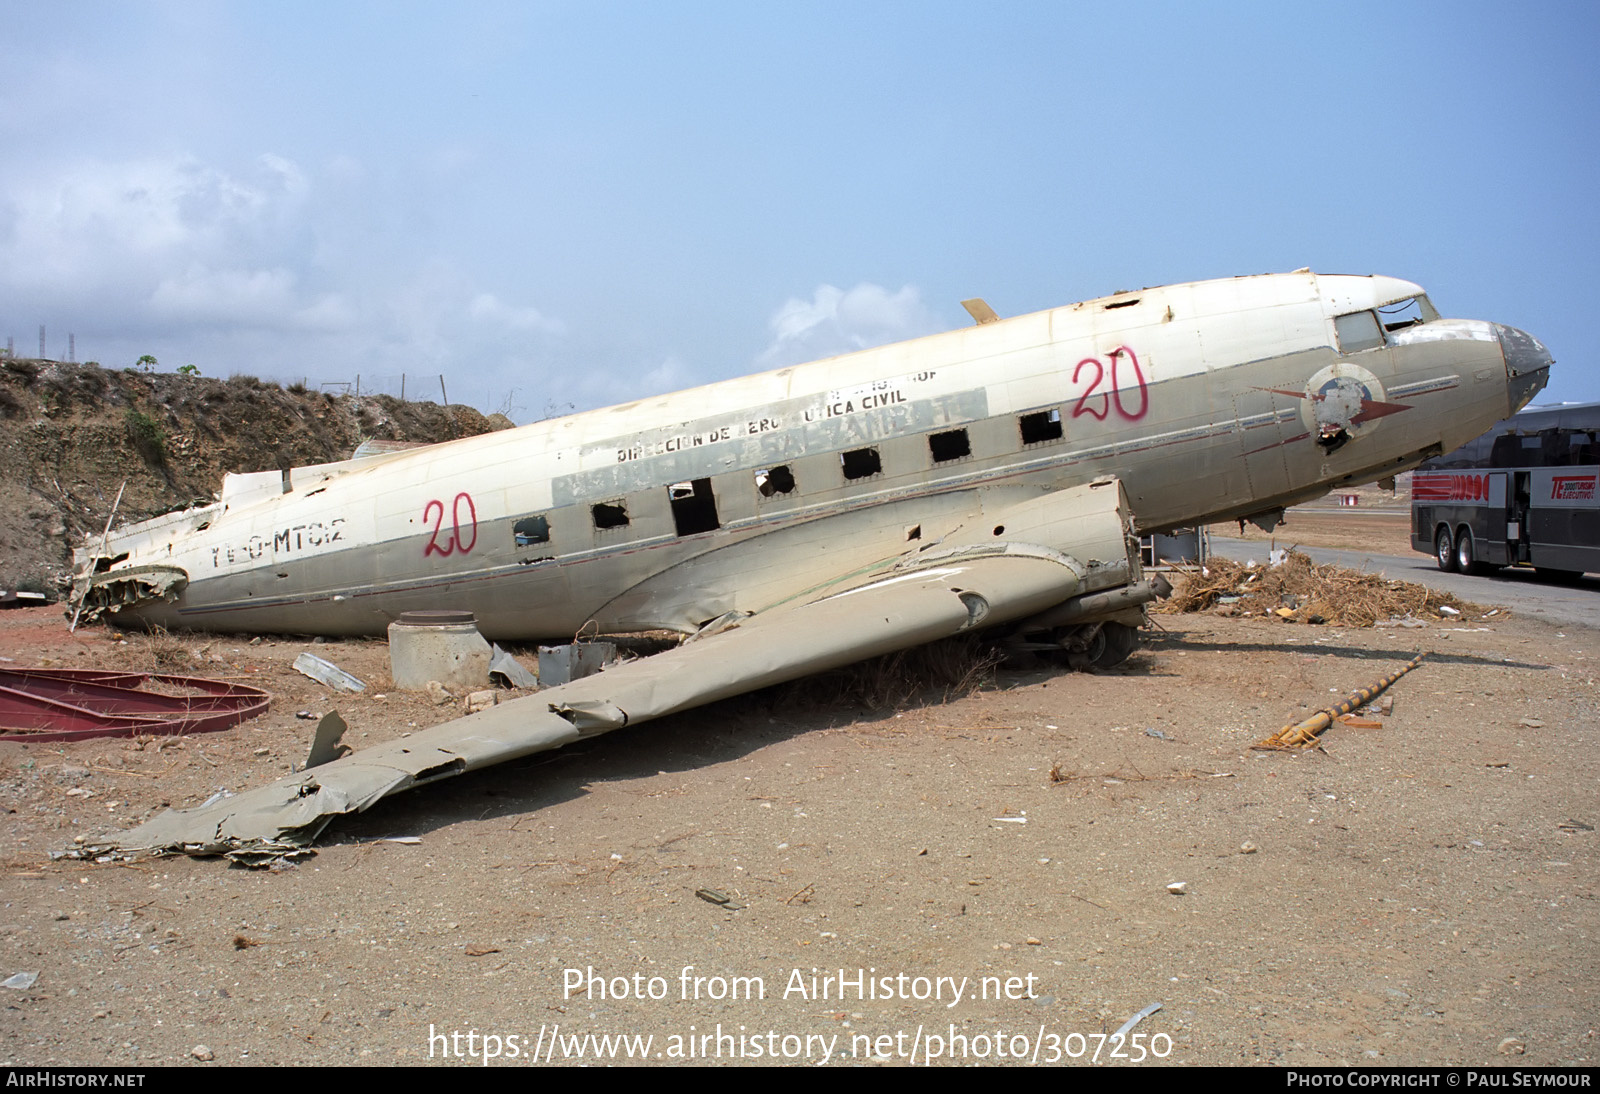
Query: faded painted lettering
297, 537
678, 442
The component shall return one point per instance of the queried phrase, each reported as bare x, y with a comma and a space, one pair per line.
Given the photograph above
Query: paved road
1574, 604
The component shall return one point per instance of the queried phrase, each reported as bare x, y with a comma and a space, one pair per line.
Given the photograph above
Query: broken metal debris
325, 746
325, 672
76, 704
562, 664
1304, 734
1126, 1027
509, 669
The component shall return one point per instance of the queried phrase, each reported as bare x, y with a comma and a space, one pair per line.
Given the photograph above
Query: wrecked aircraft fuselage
817, 515
1209, 401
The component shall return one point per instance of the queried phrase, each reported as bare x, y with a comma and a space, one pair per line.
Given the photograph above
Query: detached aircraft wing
919, 597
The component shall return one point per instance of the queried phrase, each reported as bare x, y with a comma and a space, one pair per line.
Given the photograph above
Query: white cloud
203, 295
491, 309
836, 321
268, 268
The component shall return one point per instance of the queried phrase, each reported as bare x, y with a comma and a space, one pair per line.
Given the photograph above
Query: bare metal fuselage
1208, 401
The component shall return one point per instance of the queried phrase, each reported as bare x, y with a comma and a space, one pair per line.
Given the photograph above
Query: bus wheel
1466, 560
1444, 550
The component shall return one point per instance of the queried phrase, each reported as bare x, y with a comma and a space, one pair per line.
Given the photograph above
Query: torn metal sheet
326, 672
75, 704
906, 609
325, 746
509, 669
561, 664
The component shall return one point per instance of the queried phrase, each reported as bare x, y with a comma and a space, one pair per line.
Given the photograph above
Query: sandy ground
1423, 893
1386, 531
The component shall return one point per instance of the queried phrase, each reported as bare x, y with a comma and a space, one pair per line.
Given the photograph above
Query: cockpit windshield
1407, 313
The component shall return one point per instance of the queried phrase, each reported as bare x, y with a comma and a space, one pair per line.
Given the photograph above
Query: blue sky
578, 204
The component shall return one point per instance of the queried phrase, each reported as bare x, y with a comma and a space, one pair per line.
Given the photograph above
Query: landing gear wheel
1444, 551
1121, 640
1089, 657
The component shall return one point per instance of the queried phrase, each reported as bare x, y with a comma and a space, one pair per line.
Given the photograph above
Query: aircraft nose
1527, 365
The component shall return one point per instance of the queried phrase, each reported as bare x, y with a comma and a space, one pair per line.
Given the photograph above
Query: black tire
1444, 551
1466, 556
1120, 642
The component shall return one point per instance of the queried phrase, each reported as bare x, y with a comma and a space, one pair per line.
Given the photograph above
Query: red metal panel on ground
75, 704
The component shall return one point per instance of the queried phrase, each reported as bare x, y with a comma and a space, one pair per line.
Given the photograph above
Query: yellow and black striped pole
1304, 734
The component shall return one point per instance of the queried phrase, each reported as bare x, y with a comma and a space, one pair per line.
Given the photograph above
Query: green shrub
146, 436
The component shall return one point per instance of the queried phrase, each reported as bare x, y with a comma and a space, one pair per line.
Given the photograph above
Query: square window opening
610, 514
771, 481
1044, 425
952, 445
694, 508
531, 530
861, 463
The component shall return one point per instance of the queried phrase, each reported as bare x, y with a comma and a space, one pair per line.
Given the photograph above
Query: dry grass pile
935, 673
1299, 590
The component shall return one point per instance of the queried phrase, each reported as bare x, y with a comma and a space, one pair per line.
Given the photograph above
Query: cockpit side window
1357, 331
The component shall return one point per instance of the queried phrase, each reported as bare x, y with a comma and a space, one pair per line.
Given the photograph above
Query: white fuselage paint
1199, 397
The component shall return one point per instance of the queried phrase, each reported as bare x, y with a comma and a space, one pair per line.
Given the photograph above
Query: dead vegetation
1299, 590
934, 673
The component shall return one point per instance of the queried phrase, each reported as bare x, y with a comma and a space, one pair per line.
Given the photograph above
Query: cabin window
771, 481
860, 463
952, 445
1357, 331
531, 530
1045, 425
610, 514
694, 509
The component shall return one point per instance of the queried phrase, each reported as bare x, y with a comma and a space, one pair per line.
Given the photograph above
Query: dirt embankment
70, 435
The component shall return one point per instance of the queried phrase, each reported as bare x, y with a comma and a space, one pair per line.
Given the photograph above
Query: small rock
1032, 941
1531, 723
22, 981
306, 714
1511, 1046
201, 1052
1247, 848
1178, 888
437, 692
481, 700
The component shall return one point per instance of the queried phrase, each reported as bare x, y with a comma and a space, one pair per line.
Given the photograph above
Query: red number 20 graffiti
1114, 396
453, 541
